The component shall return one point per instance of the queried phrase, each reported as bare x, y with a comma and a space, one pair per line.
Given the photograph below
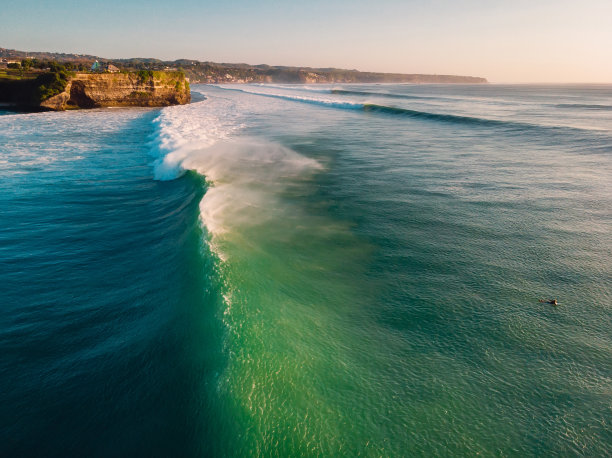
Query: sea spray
245, 177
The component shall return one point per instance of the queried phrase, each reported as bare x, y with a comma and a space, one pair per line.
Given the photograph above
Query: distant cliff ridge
211, 72
240, 73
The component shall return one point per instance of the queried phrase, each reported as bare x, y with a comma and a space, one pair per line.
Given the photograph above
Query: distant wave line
311, 90
295, 98
584, 106
383, 94
462, 119
355, 92
439, 116
396, 111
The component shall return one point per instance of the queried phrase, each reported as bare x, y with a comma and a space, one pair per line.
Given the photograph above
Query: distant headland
211, 72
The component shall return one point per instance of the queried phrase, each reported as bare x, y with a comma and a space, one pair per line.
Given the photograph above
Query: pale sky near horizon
504, 41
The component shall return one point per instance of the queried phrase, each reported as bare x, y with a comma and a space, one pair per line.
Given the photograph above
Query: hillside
211, 72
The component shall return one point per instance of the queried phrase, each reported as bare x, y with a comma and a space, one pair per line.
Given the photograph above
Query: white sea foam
245, 175
32, 142
186, 128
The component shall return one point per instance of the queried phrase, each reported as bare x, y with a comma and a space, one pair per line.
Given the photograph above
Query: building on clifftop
100, 68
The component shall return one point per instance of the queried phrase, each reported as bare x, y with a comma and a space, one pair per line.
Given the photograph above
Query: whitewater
324, 270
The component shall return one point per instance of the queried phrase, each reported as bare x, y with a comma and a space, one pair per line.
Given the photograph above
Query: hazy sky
504, 41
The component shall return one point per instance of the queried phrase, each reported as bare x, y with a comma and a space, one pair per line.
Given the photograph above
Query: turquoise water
310, 271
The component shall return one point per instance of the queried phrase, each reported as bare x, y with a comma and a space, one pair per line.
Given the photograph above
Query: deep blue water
310, 270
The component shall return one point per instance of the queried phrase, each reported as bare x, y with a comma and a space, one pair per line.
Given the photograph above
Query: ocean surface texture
344, 270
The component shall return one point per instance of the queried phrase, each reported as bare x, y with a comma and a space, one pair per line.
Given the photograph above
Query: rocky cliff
137, 89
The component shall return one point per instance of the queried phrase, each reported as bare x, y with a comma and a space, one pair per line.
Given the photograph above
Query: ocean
324, 270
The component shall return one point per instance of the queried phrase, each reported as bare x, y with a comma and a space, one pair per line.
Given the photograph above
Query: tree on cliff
51, 83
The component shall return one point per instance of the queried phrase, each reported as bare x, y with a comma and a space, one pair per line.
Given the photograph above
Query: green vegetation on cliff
50, 83
144, 75
28, 89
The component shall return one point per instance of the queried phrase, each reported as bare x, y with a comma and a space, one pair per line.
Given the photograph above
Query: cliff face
143, 89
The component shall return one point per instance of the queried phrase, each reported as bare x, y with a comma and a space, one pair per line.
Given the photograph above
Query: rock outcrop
141, 89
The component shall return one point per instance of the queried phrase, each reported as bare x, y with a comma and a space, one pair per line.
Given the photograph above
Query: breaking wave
243, 174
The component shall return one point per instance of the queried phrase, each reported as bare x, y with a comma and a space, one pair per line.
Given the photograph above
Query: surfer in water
549, 301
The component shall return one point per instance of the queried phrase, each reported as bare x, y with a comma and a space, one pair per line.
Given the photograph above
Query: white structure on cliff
99, 68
